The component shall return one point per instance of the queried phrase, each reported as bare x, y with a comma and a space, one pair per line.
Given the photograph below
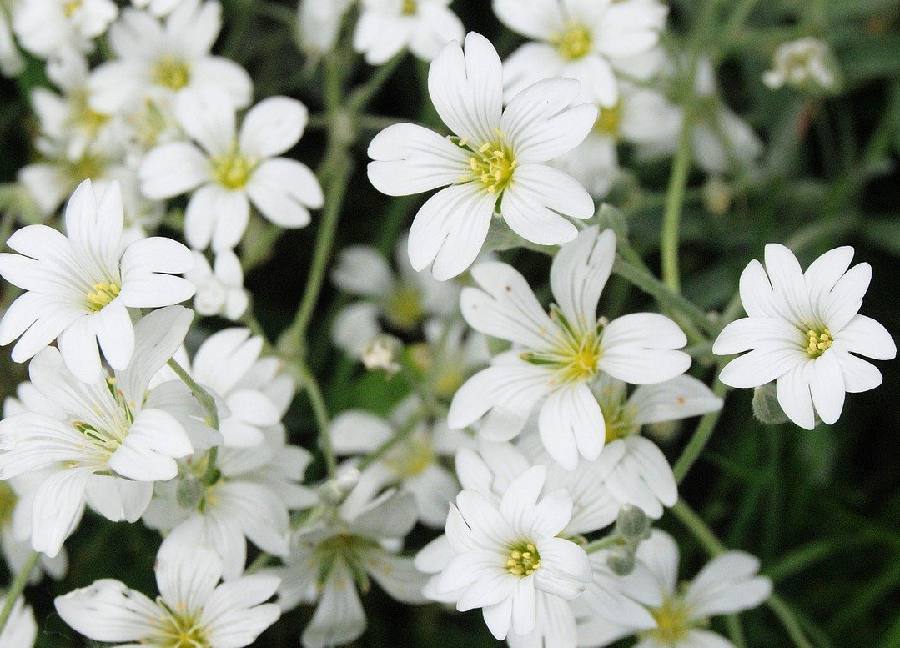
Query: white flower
402, 299
233, 169
61, 27
804, 331
580, 39
11, 61
220, 288
496, 161
386, 27
556, 357
320, 23
251, 497
679, 616
332, 556
158, 61
803, 62
20, 630
106, 441
414, 461
79, 287
254, 391
506, 554
192, 609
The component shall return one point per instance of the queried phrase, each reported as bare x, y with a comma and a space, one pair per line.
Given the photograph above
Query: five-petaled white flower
506, 553
233, 168
60, 28
581, 39
385, 27
496, 160
106, 441
556, 357
192, 608
804, 331
81, 285
805, 62
678, 617
158, 61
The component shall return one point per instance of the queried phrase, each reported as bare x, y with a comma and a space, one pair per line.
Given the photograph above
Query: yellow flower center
232, 170
181, 630
493, 165
409, 8
523, 559
818, 342
70, 7
619, 421
404, 307
101, 294
87, 167
575, 42
84, 116
411, 458
576, 356
8, 501
171, 72
609, 120
673, 622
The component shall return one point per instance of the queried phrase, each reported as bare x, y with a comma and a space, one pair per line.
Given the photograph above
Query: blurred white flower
804, 331
106, 441
253, 492
385, 27
49, 28
403, 299
79, 287
579, 39
413, 462
320, 22
192, 608
11, 61
556, 357
159, 61
505, 554
21, 629
678, 616
220, 288
805, 62
335, 552
495, 162
230, 169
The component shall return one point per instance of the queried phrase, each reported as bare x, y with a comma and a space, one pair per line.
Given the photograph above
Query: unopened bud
632, 523
335, 490
189, 493
717, 195
621, 562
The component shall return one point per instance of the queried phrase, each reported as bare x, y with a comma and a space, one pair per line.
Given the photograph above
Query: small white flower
403, 299
231, 169
21, 629
413, 462
11, 61
192, 608
251, 499
556, 357
804, 331
803, 62
496, 160
61, 27
386, 27
220, 288
160, 61
678, 617
79, 287
580, 39
320, 23
334, 554
106, 441
505, 554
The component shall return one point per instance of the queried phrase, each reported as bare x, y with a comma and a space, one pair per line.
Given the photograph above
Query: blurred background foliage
819, 508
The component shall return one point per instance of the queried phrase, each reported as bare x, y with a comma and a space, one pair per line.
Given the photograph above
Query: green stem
365, 93
701, 435
603, 543
205, 399
398, 437
789, 621
16, 589
672, 214
311, 386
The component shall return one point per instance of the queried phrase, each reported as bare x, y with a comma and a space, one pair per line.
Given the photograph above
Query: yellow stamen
171, 72
493, 164
404, 308
70, 7
673, 622
609, 120
409, 8
101, 295
233, 170
523, 559
818, 342
575, 43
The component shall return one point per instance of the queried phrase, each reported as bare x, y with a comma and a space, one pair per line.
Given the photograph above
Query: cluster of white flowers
519, 437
